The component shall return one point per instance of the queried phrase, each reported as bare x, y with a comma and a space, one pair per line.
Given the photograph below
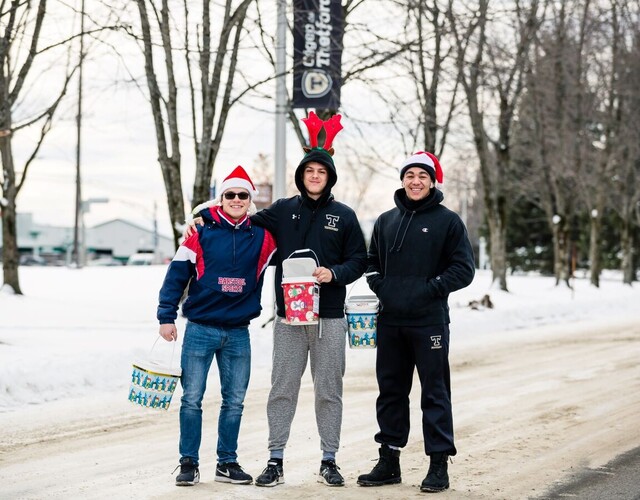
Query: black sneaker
329, 474
189, 473
437, 478
272, 475
231, 472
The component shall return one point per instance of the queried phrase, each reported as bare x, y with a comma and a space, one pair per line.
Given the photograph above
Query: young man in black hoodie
314, 220
419, 254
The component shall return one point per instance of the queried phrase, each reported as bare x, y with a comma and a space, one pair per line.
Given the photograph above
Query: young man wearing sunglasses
223, 264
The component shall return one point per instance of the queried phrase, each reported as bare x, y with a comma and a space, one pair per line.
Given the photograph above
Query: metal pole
279, 184
78, 227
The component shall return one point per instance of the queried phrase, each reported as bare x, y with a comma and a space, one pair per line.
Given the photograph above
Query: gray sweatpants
291, 347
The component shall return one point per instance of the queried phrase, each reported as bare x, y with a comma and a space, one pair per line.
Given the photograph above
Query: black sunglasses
230, 195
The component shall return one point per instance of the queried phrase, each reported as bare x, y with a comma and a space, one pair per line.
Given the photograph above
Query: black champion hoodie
419, 253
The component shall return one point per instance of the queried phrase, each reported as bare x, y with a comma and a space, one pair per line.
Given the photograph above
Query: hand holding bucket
169, 332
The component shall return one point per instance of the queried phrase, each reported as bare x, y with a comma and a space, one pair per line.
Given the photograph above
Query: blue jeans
232, 349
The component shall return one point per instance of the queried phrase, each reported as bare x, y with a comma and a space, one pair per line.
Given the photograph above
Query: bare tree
557, 109
492, 77
210, 64
608, 69
626, 175
427, 36
20, 48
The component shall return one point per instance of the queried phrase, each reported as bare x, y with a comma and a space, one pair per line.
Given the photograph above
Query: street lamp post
279, 184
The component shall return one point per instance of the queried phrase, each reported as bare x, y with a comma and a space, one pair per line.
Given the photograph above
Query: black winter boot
437, 478
386, 471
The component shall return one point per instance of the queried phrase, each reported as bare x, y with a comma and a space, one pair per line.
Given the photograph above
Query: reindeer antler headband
314, 125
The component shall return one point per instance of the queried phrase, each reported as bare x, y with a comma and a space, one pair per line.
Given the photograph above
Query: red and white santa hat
426, 161
238, 179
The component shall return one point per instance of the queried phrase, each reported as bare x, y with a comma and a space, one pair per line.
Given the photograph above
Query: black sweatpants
400, 350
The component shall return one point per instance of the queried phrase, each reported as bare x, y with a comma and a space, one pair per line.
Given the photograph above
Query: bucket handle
173, 350
348, 296
305, 250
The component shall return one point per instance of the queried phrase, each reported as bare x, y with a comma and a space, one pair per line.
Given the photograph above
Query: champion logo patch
425, 229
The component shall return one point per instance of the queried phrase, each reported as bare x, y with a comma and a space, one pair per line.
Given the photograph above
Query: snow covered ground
545, 385
76, 332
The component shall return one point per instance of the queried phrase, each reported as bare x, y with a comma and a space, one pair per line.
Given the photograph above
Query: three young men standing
419, 254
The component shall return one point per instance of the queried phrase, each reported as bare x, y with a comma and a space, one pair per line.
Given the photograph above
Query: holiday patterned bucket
362, 321
152, 384
301, 300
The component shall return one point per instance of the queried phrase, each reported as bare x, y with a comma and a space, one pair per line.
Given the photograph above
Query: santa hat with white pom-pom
236, 179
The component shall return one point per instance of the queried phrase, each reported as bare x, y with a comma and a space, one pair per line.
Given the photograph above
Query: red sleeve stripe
267, 250
191, 250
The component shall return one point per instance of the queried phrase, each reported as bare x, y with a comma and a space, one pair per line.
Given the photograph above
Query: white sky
75, 333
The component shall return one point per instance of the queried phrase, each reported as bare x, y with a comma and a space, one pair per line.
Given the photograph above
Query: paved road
618, 480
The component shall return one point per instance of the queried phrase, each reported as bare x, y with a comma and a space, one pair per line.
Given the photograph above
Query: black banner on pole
317, 53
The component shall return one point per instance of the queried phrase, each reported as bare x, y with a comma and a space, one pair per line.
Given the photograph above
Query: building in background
116, 240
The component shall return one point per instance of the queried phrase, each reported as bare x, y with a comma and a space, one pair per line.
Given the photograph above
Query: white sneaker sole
195, 481
224, 479
278, 481
322, 480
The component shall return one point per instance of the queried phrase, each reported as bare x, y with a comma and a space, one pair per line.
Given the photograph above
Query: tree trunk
10, 255
626, 245
561, 253
594, 243
498, 254
173, 188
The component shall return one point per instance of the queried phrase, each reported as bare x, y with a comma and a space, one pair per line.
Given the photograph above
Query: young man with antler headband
312, 220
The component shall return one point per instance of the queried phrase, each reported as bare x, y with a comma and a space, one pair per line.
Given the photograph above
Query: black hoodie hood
323, 157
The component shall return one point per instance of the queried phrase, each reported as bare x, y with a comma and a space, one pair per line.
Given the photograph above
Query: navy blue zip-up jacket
416, 259
331, 229
223, 264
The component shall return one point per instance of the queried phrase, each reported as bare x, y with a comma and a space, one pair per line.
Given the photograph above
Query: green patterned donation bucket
152, 384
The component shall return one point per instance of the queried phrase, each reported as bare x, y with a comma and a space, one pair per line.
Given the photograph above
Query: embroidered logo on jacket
436, 341
425, 229
332, 221
232, 284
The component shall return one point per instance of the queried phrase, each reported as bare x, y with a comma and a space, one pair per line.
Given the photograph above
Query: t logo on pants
436, 341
